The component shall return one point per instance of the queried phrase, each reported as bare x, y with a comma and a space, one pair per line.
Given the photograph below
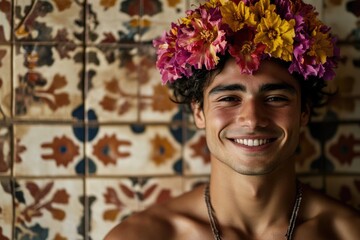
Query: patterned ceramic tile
58, 152
134, 150
343, 17
343, 149
307, 153
5, 19
110, 201
49, 21
6, 209
155, 103
5, 151
196, 153
112, 79
346, 189
5, 81
156, 16
113, 21
49, 209
42, 89
346, 104
157, 190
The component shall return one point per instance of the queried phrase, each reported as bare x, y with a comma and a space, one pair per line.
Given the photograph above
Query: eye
276, 99
229, 99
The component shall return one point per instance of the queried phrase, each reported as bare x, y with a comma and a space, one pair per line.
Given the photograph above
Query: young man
252, 72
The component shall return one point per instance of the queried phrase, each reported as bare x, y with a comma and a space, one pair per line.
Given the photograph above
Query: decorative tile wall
88, 135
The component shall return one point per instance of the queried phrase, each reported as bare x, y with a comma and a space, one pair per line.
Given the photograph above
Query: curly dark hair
187, 90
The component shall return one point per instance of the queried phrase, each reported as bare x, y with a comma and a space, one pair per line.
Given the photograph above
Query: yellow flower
262, 7
322, 47
278, 35
237, 16
215, 3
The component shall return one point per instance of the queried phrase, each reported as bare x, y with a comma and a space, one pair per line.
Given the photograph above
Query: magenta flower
245, 51
203, 39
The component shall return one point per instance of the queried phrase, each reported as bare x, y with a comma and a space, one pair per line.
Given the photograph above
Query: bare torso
186, 217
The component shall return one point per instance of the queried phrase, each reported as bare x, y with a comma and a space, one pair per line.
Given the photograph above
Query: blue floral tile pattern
5, 19
5, 81
49, 209
6, 209
5, 151
110, 201
49, 21
42, 89
115, 150
58, 152
88, 135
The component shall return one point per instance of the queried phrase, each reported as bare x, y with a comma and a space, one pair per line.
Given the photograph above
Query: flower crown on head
250, 31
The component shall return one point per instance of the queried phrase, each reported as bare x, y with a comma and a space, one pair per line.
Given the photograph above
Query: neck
260, 202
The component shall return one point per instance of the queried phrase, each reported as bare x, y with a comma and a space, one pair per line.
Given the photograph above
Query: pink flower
203, 39
246, 53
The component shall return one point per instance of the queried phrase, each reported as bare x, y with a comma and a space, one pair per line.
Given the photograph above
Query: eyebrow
267, 87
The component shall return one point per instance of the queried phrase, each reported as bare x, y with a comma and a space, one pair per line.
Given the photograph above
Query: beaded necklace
215, 226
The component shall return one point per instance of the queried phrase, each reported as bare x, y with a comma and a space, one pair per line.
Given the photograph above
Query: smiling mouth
253, 142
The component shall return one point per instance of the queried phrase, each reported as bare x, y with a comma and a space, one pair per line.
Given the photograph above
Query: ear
305, 116
198, 115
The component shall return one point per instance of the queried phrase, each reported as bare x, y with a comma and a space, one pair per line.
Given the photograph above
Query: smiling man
252, 72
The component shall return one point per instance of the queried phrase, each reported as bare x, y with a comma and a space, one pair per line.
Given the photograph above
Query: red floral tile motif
6, 210
49, 21
201, 150
5, 19
113, 199
112, 76
64, 150
47, 209
158, 190
5, 153
107, 149
196, 153
57, 152
344, 149
117, 205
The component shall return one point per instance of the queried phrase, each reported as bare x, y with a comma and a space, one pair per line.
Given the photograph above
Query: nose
252, 114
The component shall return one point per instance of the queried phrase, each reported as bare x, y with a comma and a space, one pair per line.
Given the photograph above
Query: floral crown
250, 31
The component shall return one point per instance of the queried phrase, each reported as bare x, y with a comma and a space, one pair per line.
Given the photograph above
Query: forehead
269, 72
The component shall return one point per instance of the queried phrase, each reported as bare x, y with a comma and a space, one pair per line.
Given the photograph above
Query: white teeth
252, 142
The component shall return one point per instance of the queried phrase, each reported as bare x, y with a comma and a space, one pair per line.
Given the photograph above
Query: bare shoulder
169, 220
328, 217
